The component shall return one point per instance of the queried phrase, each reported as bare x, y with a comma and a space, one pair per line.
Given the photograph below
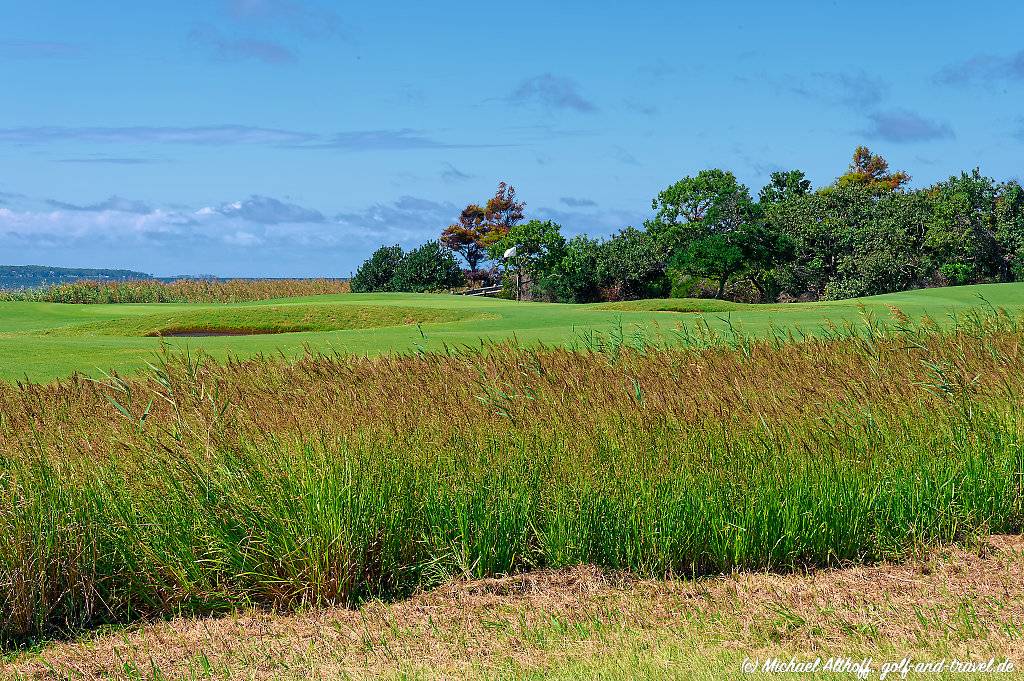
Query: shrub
956, 273
431, 267
633, 265
377, 273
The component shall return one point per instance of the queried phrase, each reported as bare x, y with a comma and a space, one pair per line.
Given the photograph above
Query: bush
575, 278
633, 266
377, 273
431, 267
956, 273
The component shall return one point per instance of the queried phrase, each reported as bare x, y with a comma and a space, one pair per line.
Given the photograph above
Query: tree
784, 185
819, 228
479, 226
716, 256
707, 201
539, 246
962, 234
503, 211
575, 278
871, 172
431, 267
707, 226
632, 265
467, 236
1009, 230
377, 272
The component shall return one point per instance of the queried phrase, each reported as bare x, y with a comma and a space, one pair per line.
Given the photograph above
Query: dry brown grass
459, 393
951, 601
180, 291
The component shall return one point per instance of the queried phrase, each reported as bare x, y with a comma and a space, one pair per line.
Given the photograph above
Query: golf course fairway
40, 342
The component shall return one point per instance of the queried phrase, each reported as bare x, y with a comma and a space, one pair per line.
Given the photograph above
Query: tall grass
180, 291
203, 487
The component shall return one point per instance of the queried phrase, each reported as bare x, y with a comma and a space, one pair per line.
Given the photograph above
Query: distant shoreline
21, 277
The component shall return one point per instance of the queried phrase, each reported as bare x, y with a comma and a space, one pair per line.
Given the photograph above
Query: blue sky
291, 137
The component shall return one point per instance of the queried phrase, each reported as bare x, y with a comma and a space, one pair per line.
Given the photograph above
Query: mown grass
180, 291
42, 341
678, 305
263, 319
204, 487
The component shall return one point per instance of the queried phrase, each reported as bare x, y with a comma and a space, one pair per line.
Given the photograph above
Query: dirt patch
957, 596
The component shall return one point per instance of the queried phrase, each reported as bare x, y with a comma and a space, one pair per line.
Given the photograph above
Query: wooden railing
485, 291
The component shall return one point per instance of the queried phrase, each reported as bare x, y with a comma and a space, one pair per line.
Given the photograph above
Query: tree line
865, 233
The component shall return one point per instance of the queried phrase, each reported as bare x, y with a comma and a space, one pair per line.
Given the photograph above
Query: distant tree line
864, 234
36, 276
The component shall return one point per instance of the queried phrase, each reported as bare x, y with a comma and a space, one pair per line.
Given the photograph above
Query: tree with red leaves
480, 226
871, 171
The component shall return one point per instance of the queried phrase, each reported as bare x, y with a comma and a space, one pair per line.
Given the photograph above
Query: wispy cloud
623, 156
227, 48
574, 202
854, 89
905, 126
213, 135
364, 140
306, 18
984, 68
383, 140
592, 222
28, 49
644, 108
114, 204
552, 92
658, 70
450, 173
230, 135
266, 211
112, 160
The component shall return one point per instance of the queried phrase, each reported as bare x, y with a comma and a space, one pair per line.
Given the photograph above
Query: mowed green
45, 341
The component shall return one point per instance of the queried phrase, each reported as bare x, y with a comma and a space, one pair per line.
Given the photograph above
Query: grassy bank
205, 487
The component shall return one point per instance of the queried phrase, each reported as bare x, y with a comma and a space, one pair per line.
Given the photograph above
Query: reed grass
202, 487
180, 291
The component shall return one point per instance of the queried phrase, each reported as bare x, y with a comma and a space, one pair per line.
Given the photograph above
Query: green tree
708, 226
632, 265
575, 278
819, 229
710, 202
1009, 231
962, 234
715, 256
377, 273
431, 267
539, 247
783, 186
